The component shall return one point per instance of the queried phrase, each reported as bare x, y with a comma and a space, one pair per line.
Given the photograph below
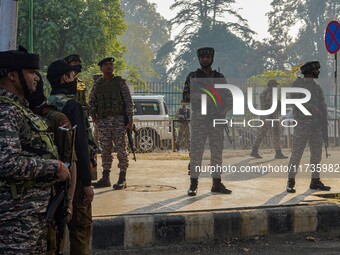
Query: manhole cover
149, 188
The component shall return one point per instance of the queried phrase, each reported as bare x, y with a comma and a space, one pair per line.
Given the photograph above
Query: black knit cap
104, 60
57, 69
72, 57
205, 51
19, 59
310, 66
37, 97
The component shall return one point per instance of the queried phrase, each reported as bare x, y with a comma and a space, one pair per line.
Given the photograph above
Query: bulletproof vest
263, 99
40, 141
109, 98
59, 101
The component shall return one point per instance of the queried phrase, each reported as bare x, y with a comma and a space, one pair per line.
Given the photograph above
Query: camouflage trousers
303, 133
201, 129
24, 235
275, 130
113, 129
183, 136
80, 226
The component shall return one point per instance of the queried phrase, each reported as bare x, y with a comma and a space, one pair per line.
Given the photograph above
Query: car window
150, 108
134, 108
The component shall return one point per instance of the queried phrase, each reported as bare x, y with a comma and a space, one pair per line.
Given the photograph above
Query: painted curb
166, 229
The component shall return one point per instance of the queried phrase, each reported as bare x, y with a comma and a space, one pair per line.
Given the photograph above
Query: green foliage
206, 23
86, 27
313, 16
147, 31
284, 78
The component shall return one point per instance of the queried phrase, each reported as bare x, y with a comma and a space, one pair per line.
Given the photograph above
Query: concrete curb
175, 228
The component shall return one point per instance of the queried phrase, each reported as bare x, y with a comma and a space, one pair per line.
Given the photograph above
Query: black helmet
309, 67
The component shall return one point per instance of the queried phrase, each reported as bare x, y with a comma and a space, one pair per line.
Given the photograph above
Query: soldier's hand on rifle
88, 194
63, 173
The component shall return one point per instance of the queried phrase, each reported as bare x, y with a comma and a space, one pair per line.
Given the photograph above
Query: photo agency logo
211, 93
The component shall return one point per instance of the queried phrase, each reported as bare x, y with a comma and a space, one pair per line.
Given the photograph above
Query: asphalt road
300, 244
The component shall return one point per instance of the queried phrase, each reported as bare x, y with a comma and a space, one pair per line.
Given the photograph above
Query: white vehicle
152, 122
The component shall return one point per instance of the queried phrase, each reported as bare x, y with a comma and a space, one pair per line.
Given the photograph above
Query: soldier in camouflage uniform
62, 79
202, 126
28, 159
75, 61
111, 109
266, 103
308, 128
183, 115
63, 140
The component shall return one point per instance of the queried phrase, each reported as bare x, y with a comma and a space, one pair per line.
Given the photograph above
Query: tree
313, 16
147, 31
89, 28
205, 23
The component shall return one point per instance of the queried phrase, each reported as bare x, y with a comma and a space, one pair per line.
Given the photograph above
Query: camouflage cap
205, 51
104, 60
19, 59
72, 57
310, 66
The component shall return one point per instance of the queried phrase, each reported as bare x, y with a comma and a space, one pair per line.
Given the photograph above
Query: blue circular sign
332, 37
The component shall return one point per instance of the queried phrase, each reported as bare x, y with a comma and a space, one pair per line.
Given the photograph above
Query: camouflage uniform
22, 224
308, 128
200, 133
111, 122
183, 115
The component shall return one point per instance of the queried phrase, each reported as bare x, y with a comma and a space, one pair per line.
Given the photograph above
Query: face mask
71, 87
77, 68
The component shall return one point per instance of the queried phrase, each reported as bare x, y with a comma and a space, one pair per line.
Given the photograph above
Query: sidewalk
157, 197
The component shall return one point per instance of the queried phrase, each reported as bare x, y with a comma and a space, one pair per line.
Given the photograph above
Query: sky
253, 11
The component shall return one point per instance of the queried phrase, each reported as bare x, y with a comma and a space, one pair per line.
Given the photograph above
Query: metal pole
8, 24
30, 30
336, 99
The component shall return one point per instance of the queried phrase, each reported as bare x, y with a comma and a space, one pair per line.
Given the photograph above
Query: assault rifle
57, 208
129, 135
324, 131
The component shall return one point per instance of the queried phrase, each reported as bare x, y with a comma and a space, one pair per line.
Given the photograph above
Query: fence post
173, 145
233, 131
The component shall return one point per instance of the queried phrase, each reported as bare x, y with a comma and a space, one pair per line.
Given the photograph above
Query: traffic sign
332, 37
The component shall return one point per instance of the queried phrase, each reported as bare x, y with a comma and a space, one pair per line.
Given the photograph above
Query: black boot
192, 191
255, 153
290, 185
104, 181
121, 184
318, 185
279, 154
219, 187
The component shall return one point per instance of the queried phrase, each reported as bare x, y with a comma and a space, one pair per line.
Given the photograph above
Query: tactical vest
40, 141
59, 101
109, 98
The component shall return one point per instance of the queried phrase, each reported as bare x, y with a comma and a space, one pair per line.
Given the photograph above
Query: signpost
332, 42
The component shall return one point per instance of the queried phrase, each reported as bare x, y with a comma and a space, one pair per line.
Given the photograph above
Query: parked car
152, 122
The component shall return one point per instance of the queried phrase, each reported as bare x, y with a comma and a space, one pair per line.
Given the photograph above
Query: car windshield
150, 108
